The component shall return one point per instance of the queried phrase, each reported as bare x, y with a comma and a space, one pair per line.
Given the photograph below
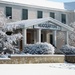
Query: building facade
47, 31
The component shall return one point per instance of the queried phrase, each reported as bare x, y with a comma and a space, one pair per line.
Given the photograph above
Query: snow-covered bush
72, 35
39, 48
7, 42
67, 49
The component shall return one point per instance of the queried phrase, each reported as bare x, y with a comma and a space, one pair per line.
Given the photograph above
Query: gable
48, 25
35, 22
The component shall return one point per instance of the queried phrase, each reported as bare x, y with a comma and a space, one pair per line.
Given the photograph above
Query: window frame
24, 14
38, 14
8, 13
52, 14
63, 18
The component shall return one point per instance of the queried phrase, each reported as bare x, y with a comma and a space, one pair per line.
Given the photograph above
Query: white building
42, 20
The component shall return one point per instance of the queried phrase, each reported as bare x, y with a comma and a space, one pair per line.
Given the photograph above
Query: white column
24, 37
67, 39
39, 35
54, 37
35, 37
48, 37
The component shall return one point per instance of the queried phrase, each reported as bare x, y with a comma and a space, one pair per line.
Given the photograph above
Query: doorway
51, 39
29, 37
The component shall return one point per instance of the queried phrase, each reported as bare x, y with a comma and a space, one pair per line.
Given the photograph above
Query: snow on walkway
38, 69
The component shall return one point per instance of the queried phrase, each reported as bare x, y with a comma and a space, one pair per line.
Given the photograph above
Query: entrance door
51, 39
28, 38
42, 38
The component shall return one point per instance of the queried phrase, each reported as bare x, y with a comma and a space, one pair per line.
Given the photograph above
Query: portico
47, 32
42, 30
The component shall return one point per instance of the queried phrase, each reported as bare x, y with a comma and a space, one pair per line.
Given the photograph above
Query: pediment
48, 25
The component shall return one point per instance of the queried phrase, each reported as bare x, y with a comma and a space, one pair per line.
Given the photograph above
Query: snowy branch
6, 41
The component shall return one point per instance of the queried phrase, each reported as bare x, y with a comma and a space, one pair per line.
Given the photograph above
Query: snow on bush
72, 35
11, 27
39, 48
67, 49
8, 42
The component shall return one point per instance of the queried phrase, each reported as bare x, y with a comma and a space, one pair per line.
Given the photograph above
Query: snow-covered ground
38, 69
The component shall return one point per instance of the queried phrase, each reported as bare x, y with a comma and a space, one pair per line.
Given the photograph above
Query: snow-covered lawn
38, 69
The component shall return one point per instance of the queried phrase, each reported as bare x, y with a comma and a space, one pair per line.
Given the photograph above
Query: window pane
63, 18
24, 14
52, 14
9, 12
39, 14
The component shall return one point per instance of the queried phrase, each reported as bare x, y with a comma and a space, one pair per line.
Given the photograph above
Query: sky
62, 0
50, 0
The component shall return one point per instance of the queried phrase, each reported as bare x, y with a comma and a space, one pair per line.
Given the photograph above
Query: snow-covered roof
43, 3
28, 23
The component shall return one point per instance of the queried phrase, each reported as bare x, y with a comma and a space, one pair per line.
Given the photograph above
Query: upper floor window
9, 12
52, 14
63, 18
24, 14
39, 14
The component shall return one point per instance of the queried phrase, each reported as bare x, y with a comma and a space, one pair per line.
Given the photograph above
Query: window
52, 14
39, 14
63, 18
9, 12
24, 14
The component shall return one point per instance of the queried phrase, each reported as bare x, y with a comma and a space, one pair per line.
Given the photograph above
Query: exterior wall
71, 17
60, 39
25, 59
46, 14
16, 14
32, 14
58, 16
2, 9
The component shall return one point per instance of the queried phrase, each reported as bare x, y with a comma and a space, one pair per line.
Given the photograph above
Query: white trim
24, 37
67, 38
39, 35
36, 6
28, 55
55, 38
